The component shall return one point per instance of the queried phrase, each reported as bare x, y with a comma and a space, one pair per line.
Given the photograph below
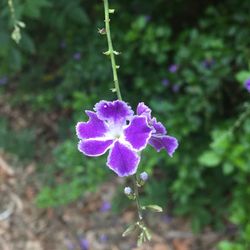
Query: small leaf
116, 52
154, 208
129, 230
113, 90
242, 76
209, 159
140, 239
147, 234
21, 24
107, 53
111, 11
102, 31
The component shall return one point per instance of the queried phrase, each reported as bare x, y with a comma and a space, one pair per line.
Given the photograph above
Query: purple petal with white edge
170, 144
123, 160
143, 110
167, 142
92, 129
94, 147
116, 111
138, 132
158, 126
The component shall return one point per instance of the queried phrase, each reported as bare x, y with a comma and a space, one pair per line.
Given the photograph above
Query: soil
87, 224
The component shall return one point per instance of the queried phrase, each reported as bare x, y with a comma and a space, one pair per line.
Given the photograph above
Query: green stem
12, 11
139, 209
111, 50
241, 119
111, 53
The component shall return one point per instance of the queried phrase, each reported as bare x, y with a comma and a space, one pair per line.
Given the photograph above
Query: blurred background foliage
185, 59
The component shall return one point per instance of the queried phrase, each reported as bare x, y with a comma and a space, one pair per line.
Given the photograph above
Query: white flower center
115, 132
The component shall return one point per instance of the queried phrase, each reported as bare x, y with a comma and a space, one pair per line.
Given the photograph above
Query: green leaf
242, 76
154, 208
140, 239
228, 168
147, 234
209, 159
129, 230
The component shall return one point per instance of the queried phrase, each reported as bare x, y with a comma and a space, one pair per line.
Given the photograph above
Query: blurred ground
88, 224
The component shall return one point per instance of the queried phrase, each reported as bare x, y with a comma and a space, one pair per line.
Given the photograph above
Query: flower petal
123, 160
91, 129
158, 126
138, 132
168, 142
143, 110
94, 147
115, 112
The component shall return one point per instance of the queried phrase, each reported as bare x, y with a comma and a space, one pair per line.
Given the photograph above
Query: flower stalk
144, 113
111, 52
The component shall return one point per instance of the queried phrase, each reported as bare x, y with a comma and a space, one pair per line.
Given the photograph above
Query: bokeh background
187, 60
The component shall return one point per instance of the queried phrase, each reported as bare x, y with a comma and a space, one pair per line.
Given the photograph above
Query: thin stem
12, 10
111, 50
139, 209
111, 53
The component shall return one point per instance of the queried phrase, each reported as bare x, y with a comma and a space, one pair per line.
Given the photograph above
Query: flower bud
144, 176
127, 190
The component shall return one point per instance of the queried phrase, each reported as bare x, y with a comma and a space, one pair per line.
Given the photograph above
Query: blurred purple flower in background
106, 206
247, 84
167, 218
173, 68
148, 18
103, 238
77, 56
3, 80
176, 88
70, 245
208, 63
84, 244
165, 82
63, 44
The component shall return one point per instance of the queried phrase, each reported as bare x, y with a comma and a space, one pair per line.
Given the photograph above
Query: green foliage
20, 143
75, 176
208, 177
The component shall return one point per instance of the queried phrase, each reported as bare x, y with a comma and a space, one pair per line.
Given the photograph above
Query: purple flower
84, 244
148, 18
70, 245
103, 238
167, 218
106, 206
159, 138
173, 68
247, 84
77, 56
208, 63
113, 127
176, 88
3, 80
165, 82
63, 44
